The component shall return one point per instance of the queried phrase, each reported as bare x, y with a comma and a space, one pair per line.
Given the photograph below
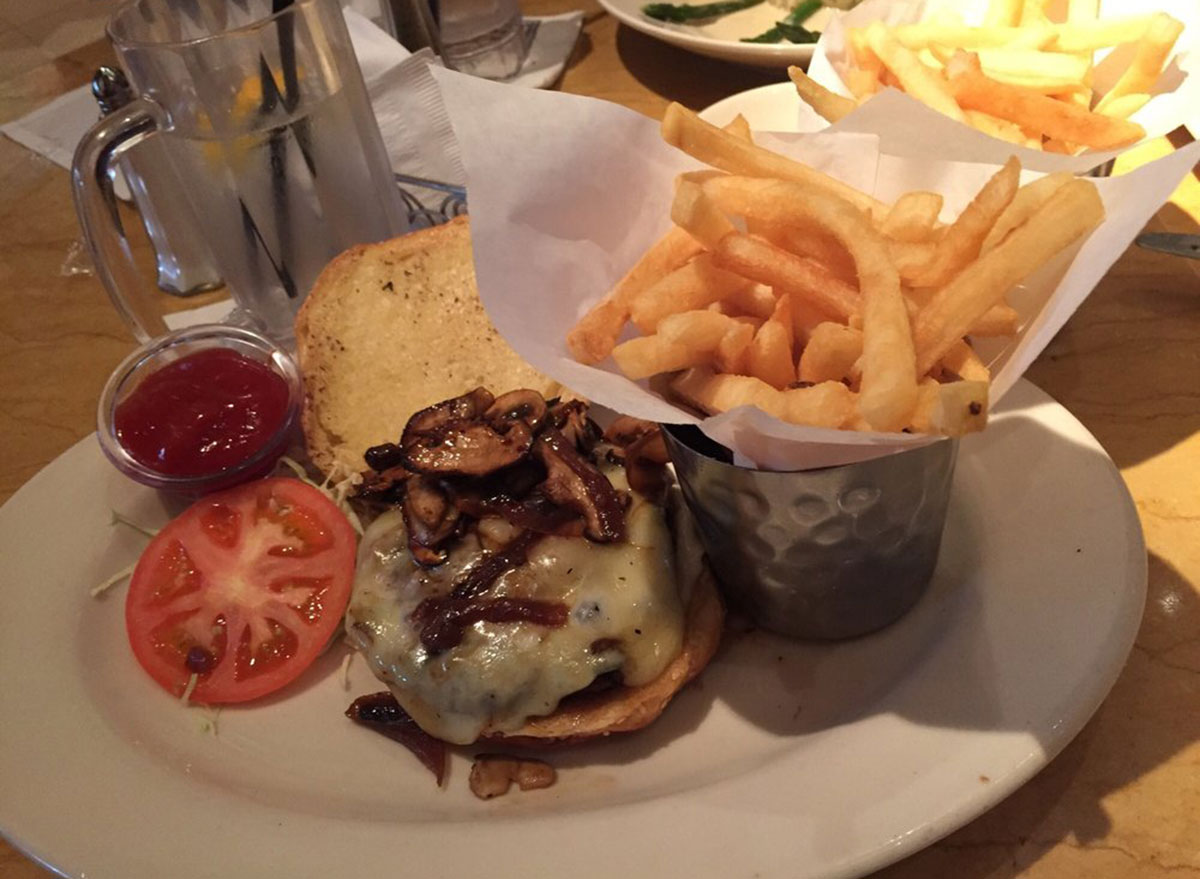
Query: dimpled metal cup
822, 554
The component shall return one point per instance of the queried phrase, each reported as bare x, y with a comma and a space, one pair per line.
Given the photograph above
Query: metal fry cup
821, 554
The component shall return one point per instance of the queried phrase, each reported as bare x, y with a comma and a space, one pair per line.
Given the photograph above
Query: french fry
756, 300
951, 409
1071, 213
913, 217
806, 317
1149, 58
962, 361
716, 393
1057, 119
740, 128
593, 337
1088, 36
863, 79
731, 352
699, 330
1003, 12
830, 106
764, 262
812, 243
1046, 72
1024, 204
918, 80
963, 239
688, 288
649, 355
684, 129
830, 404
1124, 106
827, 404
770, 354
1083, 10
927, 35
831, 353
1000, 129
1033, 13
911, 257
696, 213
999, 320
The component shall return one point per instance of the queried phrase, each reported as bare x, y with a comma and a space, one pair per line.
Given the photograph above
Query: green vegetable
792, 27
682, 13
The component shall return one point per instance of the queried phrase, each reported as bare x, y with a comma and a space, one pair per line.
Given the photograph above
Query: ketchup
202, 414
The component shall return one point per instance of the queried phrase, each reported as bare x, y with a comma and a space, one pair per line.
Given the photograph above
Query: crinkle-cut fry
695, 212
1033, 111
913, 217
1024, 203
1003, 13
594, 335
1088, 36
830, 106
770, 355
1124, 106
1070, 214
832, 351
764, 262
689, 287
961, 242
1149, 59
734, 348
927, 86
962, 361
684, 129
999, 320
951, 409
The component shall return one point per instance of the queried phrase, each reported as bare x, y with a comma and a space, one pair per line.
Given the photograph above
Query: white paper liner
909, 124
567, 192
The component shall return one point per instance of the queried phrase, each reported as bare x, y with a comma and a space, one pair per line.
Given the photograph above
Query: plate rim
885, 852
757, 54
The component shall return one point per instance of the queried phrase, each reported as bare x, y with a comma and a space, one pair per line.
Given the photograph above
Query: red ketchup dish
200, 409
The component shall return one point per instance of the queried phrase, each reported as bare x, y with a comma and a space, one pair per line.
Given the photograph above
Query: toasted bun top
389, 329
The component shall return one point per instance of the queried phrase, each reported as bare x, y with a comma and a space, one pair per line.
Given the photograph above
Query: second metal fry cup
821, 554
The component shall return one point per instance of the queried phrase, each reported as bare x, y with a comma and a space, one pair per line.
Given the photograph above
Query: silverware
1174, 243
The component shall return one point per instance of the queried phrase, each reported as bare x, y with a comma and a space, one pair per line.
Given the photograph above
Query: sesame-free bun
389, 329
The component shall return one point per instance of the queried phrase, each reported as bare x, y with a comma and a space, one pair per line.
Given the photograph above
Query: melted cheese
503, 673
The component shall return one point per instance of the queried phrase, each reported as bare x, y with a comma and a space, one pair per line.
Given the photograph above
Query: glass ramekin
156, 354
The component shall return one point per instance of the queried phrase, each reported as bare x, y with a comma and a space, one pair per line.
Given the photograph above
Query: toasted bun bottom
626, 709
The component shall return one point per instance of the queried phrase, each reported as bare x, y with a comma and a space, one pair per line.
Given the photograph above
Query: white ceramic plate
774, 107
784, 760
721, 37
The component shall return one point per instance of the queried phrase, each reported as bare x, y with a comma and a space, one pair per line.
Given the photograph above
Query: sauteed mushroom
521, 405
430, 517
573, 481
645, 453
452, 439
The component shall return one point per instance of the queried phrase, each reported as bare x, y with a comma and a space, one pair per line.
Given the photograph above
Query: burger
525, 577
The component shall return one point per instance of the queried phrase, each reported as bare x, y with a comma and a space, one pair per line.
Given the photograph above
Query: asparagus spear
792, 27
684, 12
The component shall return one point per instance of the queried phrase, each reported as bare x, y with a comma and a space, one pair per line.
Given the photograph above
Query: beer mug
273, 140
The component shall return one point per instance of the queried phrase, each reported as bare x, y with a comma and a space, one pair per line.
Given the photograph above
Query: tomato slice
244, 589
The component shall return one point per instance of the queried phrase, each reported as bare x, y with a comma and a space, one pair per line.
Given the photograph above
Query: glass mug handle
96, 204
